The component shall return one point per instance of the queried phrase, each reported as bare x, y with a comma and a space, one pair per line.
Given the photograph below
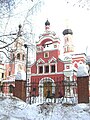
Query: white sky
62, 15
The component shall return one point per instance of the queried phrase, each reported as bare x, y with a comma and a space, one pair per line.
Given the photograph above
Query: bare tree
79, 3
9, 21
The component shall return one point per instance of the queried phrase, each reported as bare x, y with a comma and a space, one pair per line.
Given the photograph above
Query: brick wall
83, 89
20, 89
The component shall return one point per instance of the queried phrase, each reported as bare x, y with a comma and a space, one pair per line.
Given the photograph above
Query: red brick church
51, 73
50, 69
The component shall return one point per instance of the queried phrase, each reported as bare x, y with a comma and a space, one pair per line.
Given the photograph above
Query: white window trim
45, 53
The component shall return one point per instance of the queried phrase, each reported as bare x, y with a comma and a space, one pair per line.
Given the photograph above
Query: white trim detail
47, 55
50, 38
80, 62
40, 60
41, 90
52, 59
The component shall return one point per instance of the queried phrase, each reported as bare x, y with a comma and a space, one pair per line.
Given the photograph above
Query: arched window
1, 88
18, 56
40, 69
13, 57
47, 69
52, 68
23, 56
11, 88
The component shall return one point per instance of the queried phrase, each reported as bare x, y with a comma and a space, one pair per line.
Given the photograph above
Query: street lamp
26, 46
28, 93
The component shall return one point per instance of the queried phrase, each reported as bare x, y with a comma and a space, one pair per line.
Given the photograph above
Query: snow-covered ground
12, 108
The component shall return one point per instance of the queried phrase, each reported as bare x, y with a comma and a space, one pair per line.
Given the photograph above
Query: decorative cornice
52, 59
50, 38
40, 61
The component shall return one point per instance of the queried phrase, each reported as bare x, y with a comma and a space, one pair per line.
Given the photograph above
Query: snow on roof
10, 80
21, 75
66, 57
82, 70
88, 60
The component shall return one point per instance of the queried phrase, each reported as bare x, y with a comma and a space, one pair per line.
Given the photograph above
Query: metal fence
41, 92
46, 91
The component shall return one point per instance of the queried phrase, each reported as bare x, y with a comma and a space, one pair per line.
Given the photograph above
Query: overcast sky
62, 15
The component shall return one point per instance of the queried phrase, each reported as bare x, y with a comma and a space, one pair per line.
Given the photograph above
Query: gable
40, 61
52, 60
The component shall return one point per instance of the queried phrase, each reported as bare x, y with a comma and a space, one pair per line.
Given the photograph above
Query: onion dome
67, 31
47, 23
20, 26
20, 30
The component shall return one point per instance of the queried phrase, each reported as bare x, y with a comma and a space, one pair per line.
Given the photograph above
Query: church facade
53, 74
15, 64
52, 71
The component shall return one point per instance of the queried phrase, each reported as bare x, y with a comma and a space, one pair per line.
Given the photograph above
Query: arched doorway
11, 88
46, 88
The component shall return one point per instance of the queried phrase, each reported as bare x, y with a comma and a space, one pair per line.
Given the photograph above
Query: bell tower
48, 45
17, 61
19, 54
68, 43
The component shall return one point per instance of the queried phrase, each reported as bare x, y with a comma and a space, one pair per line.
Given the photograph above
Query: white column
49, 68
37, 69
55, 67
43, 69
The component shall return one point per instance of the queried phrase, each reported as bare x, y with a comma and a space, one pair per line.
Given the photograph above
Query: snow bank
82, 70
12, 108
21, 75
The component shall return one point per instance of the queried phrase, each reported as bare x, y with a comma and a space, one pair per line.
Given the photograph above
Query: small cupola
47, 25
68, 41
20, 30
67, 31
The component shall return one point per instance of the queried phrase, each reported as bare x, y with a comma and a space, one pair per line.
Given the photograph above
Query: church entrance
47, 89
